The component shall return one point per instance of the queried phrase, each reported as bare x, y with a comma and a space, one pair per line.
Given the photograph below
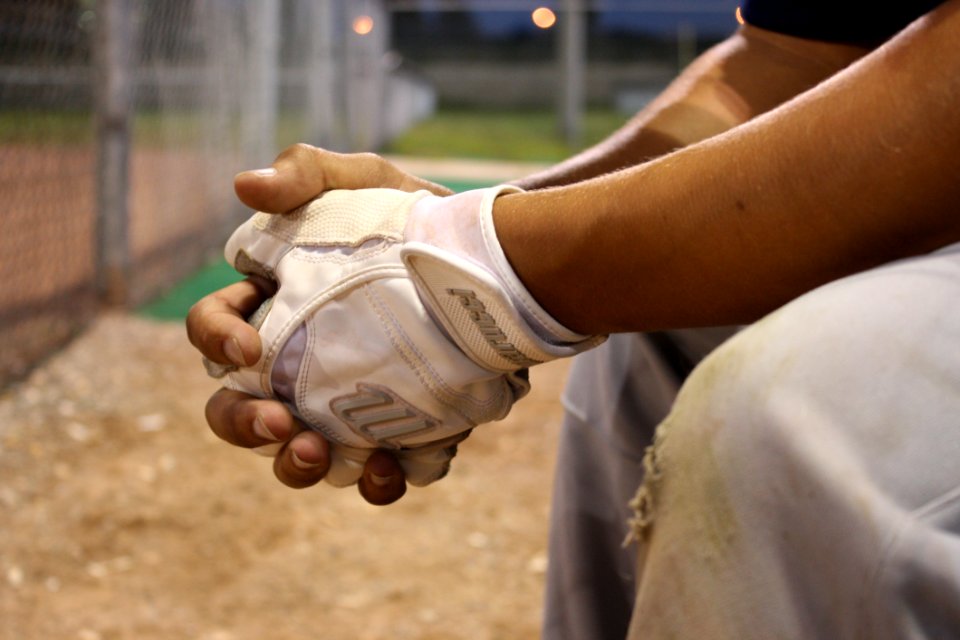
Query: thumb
302, 172
295, 177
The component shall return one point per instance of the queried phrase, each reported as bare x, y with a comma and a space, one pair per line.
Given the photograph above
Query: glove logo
487, 324
380, 416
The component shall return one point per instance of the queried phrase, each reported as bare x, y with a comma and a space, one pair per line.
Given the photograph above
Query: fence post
113, 111
573, 70
366, 43
262, 90
321, 76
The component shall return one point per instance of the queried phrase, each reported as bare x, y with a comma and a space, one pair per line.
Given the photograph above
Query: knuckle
231, 417
198, 309
212, 411
376, 166
293, 477
240, 416
369, 157
297, 150
198, 329
191, 326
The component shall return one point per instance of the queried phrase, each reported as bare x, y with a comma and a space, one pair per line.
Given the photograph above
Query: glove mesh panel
343, 218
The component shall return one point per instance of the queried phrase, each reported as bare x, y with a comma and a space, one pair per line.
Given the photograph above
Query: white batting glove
397, 323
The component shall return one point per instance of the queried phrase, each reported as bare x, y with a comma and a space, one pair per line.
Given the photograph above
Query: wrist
466, 282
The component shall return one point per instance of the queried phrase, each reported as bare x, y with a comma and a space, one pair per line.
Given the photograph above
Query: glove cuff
466, 282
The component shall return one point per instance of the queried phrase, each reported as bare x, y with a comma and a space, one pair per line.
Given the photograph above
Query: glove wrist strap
465, 280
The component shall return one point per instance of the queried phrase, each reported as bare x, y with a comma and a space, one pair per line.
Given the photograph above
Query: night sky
710, 17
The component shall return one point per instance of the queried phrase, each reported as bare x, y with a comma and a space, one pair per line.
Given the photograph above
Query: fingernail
260, 428
268, 450
381, 481
301, 464
266, 173
231, 349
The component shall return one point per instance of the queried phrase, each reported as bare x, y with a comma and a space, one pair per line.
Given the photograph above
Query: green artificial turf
175, 303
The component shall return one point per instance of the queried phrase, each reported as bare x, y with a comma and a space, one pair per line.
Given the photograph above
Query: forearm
747, 74
856, 172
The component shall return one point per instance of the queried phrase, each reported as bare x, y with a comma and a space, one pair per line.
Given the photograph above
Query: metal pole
321, 76
365, 77
113, 113
262, 86
573, 39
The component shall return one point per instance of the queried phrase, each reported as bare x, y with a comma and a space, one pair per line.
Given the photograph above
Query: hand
302, 172
216, 324
302, 456
397, 323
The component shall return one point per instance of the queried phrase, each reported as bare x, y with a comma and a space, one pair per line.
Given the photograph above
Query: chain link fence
122, 123
47, 169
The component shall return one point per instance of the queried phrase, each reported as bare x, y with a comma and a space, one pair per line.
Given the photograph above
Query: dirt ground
122, 516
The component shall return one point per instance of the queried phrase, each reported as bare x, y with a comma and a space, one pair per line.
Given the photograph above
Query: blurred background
122, 123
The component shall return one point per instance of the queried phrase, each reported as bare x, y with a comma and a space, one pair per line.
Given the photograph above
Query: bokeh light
362, 25
543, 17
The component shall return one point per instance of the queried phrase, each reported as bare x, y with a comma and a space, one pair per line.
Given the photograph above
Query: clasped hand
217, 327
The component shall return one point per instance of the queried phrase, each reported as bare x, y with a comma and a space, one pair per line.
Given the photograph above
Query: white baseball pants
806, 483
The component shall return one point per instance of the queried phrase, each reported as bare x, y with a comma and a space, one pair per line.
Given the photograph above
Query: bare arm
857, 171
747, 74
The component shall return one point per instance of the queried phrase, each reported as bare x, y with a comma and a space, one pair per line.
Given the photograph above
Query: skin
855, 172
763, 133
216, 326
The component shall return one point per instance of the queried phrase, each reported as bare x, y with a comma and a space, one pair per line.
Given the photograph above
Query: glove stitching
290, 237
304, 372
312, 419
358, 255
402, 345
310, 306
380, 219
437, 387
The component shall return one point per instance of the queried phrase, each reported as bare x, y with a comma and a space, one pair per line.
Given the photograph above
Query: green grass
531, 135
502, 135
150, 128
46, 127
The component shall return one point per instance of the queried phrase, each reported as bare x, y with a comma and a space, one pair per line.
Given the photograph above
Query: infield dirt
123, 517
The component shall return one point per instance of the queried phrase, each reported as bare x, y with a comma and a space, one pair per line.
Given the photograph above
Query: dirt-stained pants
806, 483
616, 396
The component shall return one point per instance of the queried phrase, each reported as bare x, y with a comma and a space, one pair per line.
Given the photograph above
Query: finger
249, 422
302, 172
304, 461
382, 481
425, 465
216, 324
346, 466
